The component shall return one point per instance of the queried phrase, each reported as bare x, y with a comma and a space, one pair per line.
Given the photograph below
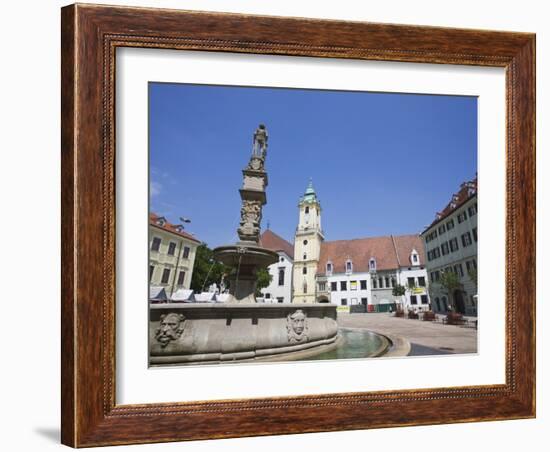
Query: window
307, 209
282, 259
268, 296
304, 271
305, 242
437, 303
181, 278
445, 248
322, 286
372, 264
474, 233
364, 301
450, 224
393, 282
344, 301
421, 281
466, 239
151, 271
458, 270
281, 280
363, 283
387, 282
380, 282
343, 285
333, 286
353, 285
413, 299
461, 217
305, 256
171, 248
437, 275
374, 285
468, 266
410, 282
186, 250
305, 287
472, 210
444, 301
424, 299
349, 266
441, 229
165, 276
280, 299
329, 268
414, 258
436, 252
453, 243
155, 246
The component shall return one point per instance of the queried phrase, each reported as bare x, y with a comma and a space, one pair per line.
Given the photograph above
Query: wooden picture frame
90, 36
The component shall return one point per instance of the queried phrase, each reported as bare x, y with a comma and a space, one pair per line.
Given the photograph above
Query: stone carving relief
170, 328
297, 327
251, 216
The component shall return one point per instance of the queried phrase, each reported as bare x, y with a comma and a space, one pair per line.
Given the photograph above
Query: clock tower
307, 247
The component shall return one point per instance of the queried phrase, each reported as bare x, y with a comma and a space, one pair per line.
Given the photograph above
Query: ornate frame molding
90, 36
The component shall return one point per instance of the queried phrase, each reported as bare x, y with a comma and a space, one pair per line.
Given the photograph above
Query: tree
264, 279
206, 270
398, 290
450, 281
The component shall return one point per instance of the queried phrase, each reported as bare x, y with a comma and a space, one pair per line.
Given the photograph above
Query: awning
183, 296
157, 293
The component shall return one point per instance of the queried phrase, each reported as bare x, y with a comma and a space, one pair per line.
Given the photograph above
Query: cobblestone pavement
425, 337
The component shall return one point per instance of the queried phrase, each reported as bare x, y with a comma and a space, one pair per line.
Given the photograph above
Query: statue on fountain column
259, 148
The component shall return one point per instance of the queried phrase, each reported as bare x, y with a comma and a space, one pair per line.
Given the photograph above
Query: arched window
304, 271
307, 209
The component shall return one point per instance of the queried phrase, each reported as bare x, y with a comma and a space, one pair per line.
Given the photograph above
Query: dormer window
349, 266
372, 264
329, 268
414, 257
161, 221
179, 228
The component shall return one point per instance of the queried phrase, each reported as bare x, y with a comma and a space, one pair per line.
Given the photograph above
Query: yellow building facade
172, 254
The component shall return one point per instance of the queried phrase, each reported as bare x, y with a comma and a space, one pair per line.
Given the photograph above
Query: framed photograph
281, 225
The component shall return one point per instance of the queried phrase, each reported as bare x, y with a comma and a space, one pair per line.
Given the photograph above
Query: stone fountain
241, 329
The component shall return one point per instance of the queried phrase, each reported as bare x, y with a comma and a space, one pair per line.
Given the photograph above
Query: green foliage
206, 271
264, 279
398, 290
450, 282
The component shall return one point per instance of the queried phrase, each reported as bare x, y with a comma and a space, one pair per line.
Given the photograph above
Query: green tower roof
309, 195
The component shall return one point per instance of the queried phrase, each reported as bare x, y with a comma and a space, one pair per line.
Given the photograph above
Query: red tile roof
390, 252
467, 190
169, 227
274, 242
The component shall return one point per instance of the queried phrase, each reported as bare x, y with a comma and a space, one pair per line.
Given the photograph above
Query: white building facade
280, 288
451, 246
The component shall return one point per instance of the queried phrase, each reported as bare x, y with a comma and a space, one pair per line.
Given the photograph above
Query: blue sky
381, 163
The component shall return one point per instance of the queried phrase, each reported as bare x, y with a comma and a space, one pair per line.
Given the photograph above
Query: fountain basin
245, 259
199, 333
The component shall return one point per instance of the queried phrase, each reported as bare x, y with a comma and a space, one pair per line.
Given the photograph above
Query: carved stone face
298, 322
170, 328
